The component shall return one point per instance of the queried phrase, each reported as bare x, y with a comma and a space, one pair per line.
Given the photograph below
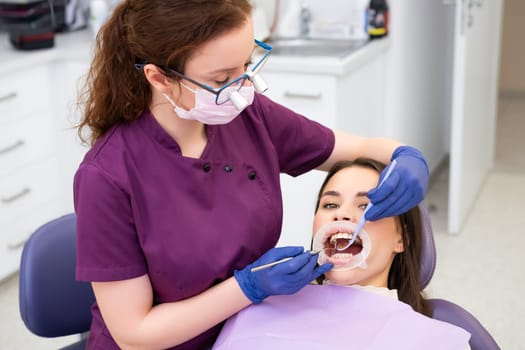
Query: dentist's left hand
403, 189
284, 278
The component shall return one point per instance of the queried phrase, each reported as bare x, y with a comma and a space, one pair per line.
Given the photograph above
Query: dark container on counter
378, 18
31, 24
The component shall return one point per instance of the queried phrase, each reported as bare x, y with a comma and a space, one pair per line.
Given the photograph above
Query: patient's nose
342, 216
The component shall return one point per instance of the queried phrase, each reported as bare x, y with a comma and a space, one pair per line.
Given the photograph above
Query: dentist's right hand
284, 278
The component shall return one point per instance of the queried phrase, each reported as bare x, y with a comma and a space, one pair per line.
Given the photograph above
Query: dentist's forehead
225, 52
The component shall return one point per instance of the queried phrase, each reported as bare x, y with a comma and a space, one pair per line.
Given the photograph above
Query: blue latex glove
404, 189
284, 278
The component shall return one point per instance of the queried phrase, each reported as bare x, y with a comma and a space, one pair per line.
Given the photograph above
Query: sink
315, 47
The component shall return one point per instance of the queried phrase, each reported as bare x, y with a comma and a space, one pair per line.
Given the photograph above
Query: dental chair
52, 303
444, 310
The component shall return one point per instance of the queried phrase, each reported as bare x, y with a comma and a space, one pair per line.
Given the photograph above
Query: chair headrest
428, 248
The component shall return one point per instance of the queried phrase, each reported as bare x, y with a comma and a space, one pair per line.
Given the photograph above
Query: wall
334, 18
512, 67
419, 76
419, 73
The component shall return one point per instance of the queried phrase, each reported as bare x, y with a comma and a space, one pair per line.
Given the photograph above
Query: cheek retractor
326, 241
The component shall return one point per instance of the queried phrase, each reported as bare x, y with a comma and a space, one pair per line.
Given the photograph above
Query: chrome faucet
306, 16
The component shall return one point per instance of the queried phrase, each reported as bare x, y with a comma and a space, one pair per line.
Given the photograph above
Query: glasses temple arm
140, 66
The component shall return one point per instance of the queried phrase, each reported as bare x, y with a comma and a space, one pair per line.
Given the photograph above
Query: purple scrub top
144, 208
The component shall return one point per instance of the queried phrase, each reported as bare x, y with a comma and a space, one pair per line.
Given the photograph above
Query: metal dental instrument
362, 221
265, 266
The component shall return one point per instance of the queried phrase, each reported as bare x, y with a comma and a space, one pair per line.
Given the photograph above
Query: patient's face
344, 198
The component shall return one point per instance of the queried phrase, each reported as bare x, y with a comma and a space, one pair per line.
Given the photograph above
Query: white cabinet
38, 155
70, 75
313, 95
351, 101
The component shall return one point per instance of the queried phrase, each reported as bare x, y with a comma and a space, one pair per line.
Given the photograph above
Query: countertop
79, 46
68, 46
329, 65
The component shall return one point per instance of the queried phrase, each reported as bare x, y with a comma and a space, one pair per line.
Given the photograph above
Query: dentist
179, 196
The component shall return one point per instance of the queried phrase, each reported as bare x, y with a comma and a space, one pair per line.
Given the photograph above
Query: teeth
342, 256
340, 235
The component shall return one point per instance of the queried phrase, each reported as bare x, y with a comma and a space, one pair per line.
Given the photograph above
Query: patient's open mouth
337, 234
339, 240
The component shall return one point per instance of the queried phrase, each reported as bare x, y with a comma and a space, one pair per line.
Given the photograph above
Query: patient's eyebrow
331, 193
337, 194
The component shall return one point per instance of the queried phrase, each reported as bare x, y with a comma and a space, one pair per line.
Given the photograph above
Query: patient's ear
399, 246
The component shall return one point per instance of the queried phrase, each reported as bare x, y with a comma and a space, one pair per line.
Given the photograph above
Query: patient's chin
342, 278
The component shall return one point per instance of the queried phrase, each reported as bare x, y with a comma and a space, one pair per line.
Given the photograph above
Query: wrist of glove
404, 189
410, 152
284, 278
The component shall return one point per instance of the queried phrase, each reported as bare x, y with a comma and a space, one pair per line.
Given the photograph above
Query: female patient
386, 254
382, 308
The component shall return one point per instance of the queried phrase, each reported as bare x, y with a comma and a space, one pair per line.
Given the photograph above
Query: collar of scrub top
251, 74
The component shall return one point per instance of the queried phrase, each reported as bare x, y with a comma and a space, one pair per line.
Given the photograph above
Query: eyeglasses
230, 90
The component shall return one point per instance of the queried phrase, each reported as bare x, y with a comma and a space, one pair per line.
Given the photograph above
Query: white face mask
208, 112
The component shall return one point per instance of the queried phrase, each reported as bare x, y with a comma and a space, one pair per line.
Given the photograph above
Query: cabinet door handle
8, 96
24, 192
10, 148
312, 96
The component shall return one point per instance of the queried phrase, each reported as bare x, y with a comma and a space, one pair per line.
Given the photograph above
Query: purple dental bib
337, 317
